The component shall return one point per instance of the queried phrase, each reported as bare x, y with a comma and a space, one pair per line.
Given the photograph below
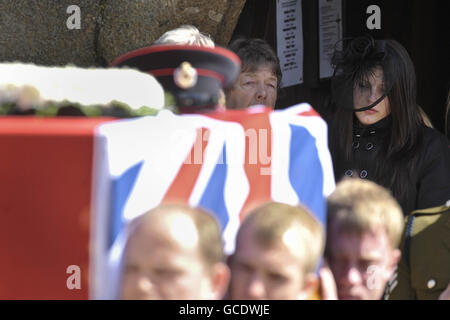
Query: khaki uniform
424, 269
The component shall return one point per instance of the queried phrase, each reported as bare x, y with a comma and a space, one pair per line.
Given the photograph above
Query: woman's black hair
447, 117
356, 63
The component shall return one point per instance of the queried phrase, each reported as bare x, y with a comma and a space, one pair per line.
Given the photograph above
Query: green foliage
170, 103
52, 109
7, 108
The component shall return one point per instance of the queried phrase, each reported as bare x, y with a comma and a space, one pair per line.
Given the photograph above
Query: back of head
359, 206
189, 67
174, 252
185, 35
208, 236
255, 53
277, 223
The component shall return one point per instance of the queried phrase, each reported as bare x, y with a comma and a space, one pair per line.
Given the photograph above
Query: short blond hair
210, 243
359, 206
186, 34
271, 221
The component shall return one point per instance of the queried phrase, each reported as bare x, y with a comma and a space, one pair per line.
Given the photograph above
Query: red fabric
45, 192
310, 112
184, 182
255, 128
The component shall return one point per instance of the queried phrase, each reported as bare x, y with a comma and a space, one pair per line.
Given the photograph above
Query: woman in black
376, 131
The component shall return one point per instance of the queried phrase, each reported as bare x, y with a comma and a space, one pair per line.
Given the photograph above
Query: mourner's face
269, 273
164, 263
361, 264
252, 88
367, 92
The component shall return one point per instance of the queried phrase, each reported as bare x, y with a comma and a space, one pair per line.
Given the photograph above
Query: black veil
355, 64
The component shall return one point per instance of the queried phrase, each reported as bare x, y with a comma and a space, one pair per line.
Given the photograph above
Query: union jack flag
226, 162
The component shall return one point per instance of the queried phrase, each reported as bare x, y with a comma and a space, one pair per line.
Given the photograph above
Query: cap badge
185, 76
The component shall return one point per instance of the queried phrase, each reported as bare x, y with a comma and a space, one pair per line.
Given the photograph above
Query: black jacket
430, 180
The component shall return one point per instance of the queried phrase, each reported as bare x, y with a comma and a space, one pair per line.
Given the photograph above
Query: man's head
185, 35
364, 228
174, 252
193, 75
190, 35
260, 75
278, 247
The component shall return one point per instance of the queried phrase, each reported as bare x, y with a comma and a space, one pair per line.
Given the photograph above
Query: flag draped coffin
226, 162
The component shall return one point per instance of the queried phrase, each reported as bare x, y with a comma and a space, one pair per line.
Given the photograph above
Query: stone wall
37, 31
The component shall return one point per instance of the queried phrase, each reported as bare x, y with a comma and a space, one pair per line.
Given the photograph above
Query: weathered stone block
132, 24
36, 31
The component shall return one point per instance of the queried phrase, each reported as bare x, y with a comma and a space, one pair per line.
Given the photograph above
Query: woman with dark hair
260, 75
377, 132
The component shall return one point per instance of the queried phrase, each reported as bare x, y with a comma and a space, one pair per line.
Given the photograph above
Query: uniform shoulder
444, 208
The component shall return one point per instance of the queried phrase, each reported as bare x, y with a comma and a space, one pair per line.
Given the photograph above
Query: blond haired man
278, 247
364, 228
174, 252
